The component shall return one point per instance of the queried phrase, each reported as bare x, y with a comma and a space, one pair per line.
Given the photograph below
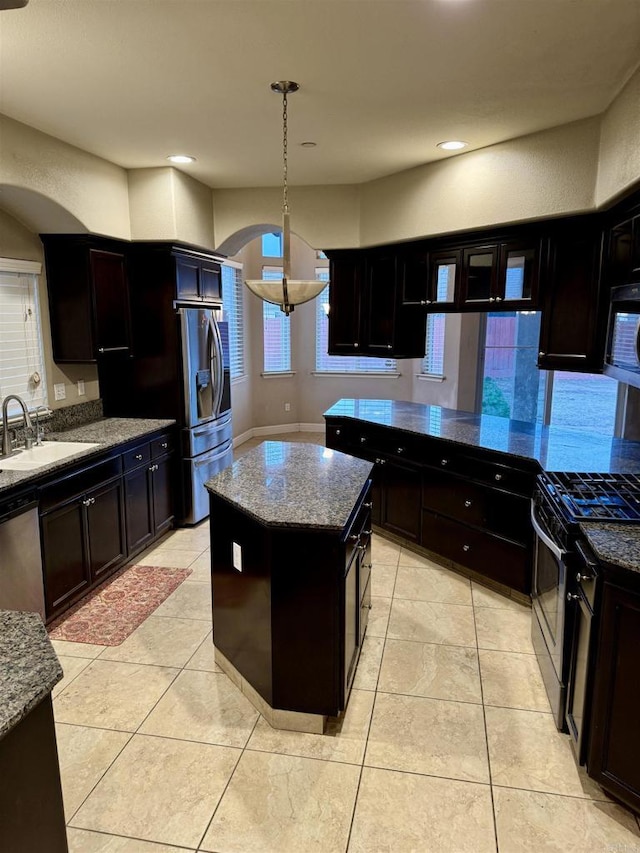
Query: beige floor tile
77, 650
285, 804
431, 670
384, 551
383, 579
504, 630
512, 680
112, 695
418, 561
205, 707
168, 558
83, 841
186, 539
429, 736
378, 616
160, 790
201, 569
189, 601
485, 597
160, 640
366, 677
344, 738
527, 751
529, 822
203, 658
432, 584
84, 754
432, 622
402, 812
71, 667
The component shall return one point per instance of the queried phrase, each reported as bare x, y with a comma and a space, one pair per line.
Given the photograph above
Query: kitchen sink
50, 451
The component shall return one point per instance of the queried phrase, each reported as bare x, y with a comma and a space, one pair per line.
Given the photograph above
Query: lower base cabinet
149, 507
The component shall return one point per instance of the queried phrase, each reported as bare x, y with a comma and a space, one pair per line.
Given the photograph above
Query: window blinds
433, 361
21, 351
233, 308
277, 330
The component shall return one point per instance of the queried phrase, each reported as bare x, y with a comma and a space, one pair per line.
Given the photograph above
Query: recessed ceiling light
181, 158
308, 144
453, 145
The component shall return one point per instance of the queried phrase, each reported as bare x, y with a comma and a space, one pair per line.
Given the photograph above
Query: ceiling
382, 81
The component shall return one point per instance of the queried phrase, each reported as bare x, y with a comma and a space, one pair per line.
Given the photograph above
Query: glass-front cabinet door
479, 275
518, 274
444, 281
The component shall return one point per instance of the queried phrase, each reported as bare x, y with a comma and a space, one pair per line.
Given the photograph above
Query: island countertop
554, 449
29, 668
294, 484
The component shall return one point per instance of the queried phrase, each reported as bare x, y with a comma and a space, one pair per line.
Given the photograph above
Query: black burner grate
596, 497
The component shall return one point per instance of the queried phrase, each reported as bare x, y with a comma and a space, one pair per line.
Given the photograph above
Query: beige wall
619, 157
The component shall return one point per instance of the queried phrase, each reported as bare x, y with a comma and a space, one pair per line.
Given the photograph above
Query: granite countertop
618, 544
106, 432
29, 668
552, 448
294, 484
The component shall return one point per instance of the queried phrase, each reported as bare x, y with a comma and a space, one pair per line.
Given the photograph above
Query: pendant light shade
285, 292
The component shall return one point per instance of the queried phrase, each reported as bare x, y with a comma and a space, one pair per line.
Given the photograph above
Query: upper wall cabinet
366, 311
88, 297
197, 277
502, 275
622, 252
172, 271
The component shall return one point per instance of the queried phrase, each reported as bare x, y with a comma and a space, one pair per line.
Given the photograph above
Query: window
277, 330
233, 313
513, 387
341, 363
21, 351
433, 361
272, 245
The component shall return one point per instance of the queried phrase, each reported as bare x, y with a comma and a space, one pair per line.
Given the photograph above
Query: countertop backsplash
66, 417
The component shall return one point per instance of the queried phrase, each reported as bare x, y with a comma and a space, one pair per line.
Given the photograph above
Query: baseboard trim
257, 432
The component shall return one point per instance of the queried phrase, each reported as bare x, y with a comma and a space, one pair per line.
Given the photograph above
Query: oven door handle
557, 552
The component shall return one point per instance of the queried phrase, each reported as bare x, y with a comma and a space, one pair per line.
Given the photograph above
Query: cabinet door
572, 326
187, 278
351, 619
401, 487
479, 275
345, 291
138, 508
614, 754
444, 280
413, 275
620, 254
111, 297
161, 493
66, 567
210, 281
518, 274
380, 304
105, 527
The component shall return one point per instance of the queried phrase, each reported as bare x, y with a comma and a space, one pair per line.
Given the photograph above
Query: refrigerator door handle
211, 457
216, 362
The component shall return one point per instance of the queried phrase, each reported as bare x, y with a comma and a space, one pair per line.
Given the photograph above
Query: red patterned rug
113, 611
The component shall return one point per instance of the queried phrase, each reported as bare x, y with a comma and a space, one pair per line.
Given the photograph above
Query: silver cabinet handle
355, 345
498, 298
498, 477
367, 532
444, 461
368, 505
112, 349
164, 445
389, 346
362, 439
541, 354
466, 547
400, 450
584, 578
86, 502
491, 299
338, 431
468, 504
354, 537
571, 596
138, 457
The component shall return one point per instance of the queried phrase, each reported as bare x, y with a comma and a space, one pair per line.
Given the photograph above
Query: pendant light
285, 292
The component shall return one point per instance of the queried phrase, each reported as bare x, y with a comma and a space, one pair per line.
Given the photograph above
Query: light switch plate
81, 390
59, 391
237, 556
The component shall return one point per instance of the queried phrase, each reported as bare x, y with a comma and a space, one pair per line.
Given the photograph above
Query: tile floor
447, 745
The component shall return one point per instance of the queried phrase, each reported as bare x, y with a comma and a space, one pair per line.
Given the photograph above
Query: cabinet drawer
339, 436
490, 556
137, 456
485, 471
75, 484
162, 445
357, 533
471, 503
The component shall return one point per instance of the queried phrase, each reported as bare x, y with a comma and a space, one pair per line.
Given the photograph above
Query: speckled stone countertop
554, 449
618, 544
29, 668
294, 484
107, 433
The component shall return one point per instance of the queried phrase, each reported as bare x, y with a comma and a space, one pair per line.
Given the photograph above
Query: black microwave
622, 355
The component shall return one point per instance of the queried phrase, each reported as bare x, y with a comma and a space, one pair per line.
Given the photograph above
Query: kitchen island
31, 809
290, 567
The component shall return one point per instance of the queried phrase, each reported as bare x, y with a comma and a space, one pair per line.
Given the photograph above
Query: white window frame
425, 372
234, 315
275, 273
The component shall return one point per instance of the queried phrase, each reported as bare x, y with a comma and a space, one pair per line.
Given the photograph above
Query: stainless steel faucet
6, 439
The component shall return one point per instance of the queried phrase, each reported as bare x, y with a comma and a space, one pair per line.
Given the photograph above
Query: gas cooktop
595, 497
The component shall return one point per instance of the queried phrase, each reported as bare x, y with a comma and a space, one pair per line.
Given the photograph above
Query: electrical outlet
287, 407
59, 391
237, 556
81, 391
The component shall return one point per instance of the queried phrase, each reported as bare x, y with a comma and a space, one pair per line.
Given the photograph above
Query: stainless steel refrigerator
206, 435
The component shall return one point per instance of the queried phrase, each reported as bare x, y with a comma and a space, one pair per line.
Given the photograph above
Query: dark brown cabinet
573, 316
614, 750
82, 537
88, 298
148, 500
400, 489
503, 275
197, 277
366, 312
622, 259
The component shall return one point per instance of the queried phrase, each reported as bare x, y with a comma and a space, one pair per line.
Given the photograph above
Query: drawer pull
584, 578
138, 457
338, 431
468, 504
444, 461
153, 468
571, 596
362, 439
498, 477
400, 450
354, 537
164, 445
368, 505
466, 547
88, 501
369, 532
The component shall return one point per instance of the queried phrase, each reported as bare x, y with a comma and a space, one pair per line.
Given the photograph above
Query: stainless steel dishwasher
21, 579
